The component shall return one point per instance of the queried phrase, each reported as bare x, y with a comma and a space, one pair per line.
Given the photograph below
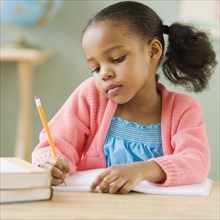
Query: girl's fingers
116, 179
57, 163
102, 180
108, 182
65, 163
58, 168
61, 163
116, 185
55, 172
56, 181
127, 187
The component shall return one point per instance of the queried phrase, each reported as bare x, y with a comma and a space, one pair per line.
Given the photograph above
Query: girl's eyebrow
113, 48
107, 51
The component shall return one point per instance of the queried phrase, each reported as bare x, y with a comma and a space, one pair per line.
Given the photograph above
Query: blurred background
56, 79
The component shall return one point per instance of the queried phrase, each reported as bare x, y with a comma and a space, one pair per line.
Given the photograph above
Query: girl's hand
58, 168
120, 178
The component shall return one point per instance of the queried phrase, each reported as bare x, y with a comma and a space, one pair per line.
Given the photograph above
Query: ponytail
189, 60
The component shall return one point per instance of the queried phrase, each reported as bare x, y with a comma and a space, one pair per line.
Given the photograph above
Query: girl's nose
107, 74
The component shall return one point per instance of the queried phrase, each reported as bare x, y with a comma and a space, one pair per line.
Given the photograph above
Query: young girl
122, 118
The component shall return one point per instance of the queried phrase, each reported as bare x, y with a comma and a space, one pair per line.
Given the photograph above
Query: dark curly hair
189, 60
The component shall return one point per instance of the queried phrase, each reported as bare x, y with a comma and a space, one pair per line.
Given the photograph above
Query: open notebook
81, 181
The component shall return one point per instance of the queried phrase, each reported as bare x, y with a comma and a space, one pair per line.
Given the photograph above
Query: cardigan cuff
173, 176
39, 156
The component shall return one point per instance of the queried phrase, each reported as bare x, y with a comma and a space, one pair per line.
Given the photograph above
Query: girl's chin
118, 100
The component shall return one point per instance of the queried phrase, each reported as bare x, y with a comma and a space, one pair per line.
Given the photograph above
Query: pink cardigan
80, 127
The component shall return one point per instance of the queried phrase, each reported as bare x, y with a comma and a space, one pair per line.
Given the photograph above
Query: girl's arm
186, 149
69, 129
123, 178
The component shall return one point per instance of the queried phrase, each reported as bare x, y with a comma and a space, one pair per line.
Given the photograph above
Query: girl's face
120, 63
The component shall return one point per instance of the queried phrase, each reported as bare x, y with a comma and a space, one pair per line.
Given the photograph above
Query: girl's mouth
113, 90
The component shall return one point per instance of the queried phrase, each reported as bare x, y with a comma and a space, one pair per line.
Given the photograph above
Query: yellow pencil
44, 122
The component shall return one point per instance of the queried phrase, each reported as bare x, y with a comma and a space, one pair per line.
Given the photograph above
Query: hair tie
165, 29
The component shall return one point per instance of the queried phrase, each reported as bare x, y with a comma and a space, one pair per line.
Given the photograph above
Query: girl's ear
155, 50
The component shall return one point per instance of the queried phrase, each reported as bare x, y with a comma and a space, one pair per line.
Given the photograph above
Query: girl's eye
96, 70
119, 59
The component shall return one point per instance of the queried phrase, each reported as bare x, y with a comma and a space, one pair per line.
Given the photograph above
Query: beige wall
58, 77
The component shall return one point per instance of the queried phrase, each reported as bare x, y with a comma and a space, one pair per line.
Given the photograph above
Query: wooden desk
26, 60
83, 205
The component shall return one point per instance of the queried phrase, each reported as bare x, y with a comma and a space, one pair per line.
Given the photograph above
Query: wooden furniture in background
26, 59
85, 205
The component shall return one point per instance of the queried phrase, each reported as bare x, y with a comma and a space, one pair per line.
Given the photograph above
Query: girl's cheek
99, 87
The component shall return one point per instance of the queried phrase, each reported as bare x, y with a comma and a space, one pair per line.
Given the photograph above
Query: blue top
128, 142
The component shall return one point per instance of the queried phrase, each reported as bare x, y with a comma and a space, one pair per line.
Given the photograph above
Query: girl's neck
143, 109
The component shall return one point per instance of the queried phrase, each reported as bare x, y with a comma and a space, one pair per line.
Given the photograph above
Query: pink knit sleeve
187, 154
69, 129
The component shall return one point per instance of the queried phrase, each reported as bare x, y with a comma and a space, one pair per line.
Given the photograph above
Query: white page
8, 166
81, 181
201, 189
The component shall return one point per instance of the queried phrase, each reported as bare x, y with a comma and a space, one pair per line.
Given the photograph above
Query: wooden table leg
23, 144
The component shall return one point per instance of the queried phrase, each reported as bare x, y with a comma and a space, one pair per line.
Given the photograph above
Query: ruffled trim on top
135, 124
133, 131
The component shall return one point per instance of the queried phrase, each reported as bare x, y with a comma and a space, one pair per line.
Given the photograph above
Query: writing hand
58, 168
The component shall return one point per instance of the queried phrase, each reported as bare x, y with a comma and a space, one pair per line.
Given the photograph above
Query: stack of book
21, 181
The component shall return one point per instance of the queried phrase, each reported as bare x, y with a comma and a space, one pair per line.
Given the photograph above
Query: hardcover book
21, 181
16, 173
